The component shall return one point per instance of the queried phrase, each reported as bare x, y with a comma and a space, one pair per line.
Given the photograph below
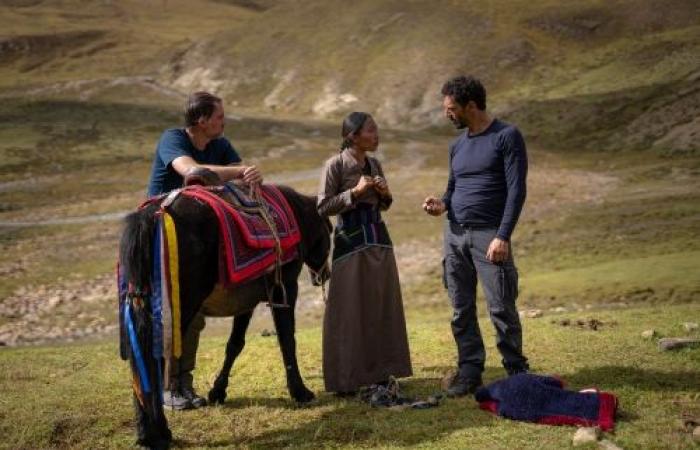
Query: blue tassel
157, 296
136, 351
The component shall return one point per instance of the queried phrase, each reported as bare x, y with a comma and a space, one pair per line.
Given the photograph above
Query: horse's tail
136, 330
135, 248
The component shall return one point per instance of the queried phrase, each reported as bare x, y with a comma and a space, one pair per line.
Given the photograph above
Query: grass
45, 405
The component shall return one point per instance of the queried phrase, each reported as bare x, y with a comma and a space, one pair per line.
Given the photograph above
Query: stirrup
270, 296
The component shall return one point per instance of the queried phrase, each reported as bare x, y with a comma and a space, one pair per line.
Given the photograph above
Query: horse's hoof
304, 396
154, 444
217, 397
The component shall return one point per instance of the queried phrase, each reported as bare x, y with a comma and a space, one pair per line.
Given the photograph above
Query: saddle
258, 231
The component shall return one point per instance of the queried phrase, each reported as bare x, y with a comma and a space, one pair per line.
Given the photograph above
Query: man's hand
251, 175
498, 251
433, 206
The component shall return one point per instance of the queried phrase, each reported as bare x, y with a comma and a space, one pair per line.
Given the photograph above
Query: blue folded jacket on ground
543, 399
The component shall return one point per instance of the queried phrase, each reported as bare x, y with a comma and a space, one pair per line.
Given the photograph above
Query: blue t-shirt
487, 178
175, 143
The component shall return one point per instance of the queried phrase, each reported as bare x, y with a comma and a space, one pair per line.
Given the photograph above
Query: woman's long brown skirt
364, 329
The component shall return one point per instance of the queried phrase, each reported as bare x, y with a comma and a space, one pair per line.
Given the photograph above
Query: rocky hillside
610, 75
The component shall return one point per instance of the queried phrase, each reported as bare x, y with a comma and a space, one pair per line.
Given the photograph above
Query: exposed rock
608, 445
332, 101
674, 343
586, 435
649, 334
688, 424
533, 313
690, 326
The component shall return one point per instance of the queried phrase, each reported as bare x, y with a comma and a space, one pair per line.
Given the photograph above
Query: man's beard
458, 123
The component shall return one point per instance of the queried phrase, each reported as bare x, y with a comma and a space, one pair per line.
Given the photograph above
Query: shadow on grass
350, 421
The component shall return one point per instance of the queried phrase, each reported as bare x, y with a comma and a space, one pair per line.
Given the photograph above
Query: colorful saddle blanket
247, 242
542, 399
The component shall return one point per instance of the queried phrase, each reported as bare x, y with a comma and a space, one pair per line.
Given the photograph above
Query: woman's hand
362, 186
381, 186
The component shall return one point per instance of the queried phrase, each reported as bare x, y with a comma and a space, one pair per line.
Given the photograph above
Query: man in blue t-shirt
199, 144
484, 196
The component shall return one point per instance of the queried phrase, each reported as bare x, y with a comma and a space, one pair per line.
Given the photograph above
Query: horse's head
316, 258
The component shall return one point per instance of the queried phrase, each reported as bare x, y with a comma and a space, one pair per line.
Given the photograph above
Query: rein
256, 195
317, 279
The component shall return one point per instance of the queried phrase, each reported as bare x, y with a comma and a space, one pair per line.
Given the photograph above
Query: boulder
690, 326
608, 445
649, 334
674, 343
586, 435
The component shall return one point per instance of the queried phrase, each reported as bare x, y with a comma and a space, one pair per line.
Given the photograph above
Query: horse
198, 249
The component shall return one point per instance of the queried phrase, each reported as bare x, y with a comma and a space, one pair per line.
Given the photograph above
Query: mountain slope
617, 75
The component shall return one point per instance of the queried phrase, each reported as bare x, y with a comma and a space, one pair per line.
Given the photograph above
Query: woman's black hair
351, 125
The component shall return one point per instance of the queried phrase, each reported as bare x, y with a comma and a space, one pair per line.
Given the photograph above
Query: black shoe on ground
514, 370
462, 386
176, 401
345, 394
196, 400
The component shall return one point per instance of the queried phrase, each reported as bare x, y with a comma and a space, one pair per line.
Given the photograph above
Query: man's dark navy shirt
487, 178
175, 143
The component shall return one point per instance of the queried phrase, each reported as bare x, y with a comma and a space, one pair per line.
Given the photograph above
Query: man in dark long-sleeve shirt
485, 193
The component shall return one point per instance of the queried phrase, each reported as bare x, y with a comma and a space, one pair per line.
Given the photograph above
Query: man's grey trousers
465, 262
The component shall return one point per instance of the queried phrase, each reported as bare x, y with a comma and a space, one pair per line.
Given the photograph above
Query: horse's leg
284, 324
235, 345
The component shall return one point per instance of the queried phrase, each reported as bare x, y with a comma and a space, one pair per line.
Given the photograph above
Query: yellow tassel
173, 264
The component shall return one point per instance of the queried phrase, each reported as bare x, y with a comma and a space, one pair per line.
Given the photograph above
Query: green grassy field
78, 396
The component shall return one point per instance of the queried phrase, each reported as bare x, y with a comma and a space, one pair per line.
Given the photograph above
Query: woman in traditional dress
364, 330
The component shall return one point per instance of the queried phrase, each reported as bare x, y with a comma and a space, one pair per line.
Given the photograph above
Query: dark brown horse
198, 247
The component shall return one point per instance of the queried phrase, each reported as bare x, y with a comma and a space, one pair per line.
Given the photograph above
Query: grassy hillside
598, 75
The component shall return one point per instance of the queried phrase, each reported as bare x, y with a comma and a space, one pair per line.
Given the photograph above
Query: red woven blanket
247, 244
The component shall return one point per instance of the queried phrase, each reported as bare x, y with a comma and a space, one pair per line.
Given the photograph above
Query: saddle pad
247, 244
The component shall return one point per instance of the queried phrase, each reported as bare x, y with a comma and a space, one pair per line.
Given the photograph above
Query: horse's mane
305, 208
302, 203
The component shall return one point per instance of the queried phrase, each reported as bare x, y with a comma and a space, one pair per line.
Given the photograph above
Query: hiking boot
196, 400
462, 386
514, 369
175, 401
